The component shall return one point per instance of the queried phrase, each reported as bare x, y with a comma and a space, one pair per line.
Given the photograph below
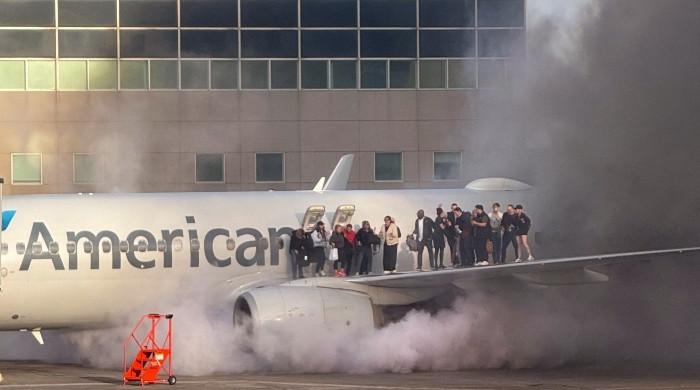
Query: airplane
90, 261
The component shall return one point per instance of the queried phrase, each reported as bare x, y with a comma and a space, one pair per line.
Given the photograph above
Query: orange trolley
153, 362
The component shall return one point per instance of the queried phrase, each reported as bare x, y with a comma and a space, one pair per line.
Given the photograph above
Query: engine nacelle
332, 307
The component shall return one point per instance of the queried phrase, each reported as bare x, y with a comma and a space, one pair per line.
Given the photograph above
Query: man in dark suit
423, 233
451, 234
466, 237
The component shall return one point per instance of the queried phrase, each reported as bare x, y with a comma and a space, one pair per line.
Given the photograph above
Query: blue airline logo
7, 216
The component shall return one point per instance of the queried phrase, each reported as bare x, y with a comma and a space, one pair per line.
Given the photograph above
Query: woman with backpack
391, 234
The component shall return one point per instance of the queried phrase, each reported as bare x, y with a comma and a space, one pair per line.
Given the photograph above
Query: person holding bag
337, 243
319, 253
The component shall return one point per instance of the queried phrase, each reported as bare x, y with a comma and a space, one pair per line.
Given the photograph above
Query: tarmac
34, 375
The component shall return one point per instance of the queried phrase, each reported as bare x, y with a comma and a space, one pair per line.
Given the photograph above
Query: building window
446, 13
373, 74
194, 74
501, 13
87, 13
27, 43
164, 74
41, 75
148, 13
314, 74
11, 75
224, 74
87, 43
283, 74
29, 13
84, 168
462, 74
433, 73
254, 74
209, 168
134, 75
344, 74
102, 74
26, 168
388, 166
447, 165
208, 13
269, 167
72, 75
324, 13
402, 74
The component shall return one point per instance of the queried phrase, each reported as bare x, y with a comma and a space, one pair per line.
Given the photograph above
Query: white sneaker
530, 258
387, 272
518, 261
323, 273
393, 271
482, 263
316, 275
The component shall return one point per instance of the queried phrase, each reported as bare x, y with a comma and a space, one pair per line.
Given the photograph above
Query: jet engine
331, 307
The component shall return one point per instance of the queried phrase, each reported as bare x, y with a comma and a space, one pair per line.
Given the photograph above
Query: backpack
398, 230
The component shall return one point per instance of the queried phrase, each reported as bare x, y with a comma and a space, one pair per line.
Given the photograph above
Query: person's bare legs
526, 245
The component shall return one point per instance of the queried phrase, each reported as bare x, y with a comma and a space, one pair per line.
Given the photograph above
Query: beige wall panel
209, 137
329, 105
292, 167
444, 135
233, 168
18, 137
40, 107
388, 136
163, 105
443, 105
269, 105
269, 136
314, 165
329, 135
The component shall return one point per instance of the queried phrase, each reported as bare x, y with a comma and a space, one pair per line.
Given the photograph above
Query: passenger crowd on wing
471, 237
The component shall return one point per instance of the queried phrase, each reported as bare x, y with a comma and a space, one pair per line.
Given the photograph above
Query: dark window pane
446, 43
26, 13
373, 74
446, 13
283, 74
402, 74
87, 13
501, 43
210, 167
269, 44
388, 166
254, 74
344, 74
87, 44
388, 13
330, 43
269, 167
328, 13
149, 43
268, 13
447, 165
27, 43
208, 13
148, 13
224, 74
501, 13
432, 74
462, 74
314, 74
388, 43
209, 43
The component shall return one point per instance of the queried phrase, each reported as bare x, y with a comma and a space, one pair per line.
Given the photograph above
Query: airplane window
177, 244
53, 248
106, 246
230, 244
21, 248
87, 247
71, 247
36, 248
123, 246
194, 245
161, 245
142, 245
4, 248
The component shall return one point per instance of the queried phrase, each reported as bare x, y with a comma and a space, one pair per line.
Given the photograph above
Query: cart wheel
172, 380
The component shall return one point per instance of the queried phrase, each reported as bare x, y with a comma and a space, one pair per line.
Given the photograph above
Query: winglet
338, 180
319, 186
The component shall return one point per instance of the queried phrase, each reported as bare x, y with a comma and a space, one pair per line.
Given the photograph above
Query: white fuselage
41, 289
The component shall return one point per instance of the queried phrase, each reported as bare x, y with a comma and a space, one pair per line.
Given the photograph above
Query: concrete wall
146, 141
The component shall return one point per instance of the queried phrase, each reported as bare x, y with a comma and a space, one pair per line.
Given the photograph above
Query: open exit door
343, 215
312, 216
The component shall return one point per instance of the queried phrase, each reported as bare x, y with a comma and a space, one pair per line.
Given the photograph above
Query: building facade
202, 95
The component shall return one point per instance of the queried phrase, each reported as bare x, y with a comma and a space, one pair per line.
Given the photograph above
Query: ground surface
31, 375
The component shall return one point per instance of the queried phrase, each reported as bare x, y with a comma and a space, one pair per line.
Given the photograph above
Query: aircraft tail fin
338, 180
319, 186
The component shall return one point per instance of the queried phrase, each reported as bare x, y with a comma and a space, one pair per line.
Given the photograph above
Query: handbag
412, 243
333, 255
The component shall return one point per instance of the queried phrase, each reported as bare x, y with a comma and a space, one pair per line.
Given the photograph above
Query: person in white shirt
320, 240
423, 233
496, 216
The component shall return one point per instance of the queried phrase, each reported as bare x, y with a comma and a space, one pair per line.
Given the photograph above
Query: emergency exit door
312, 216
343, 215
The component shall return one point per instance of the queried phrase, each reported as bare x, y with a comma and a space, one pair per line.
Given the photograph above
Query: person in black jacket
523, 224
423, 233
451, 234
466, 237
365, 238
337, 242
439, 237
482, 231
296, 248
509, 227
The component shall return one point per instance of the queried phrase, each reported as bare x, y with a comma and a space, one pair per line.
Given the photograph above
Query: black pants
451, 241
320, 258
466, 252
482, 253
365, 259
508, 238
390, 257
439, 255
297, 269
421, 246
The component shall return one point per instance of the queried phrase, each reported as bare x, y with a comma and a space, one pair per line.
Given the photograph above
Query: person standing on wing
523, 223
423, 233
389, 232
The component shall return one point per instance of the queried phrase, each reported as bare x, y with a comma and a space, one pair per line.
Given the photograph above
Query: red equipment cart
153, 360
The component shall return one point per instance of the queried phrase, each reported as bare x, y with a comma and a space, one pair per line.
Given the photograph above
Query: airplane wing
552, 272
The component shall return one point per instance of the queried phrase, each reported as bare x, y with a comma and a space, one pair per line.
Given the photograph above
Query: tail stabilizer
338, 180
